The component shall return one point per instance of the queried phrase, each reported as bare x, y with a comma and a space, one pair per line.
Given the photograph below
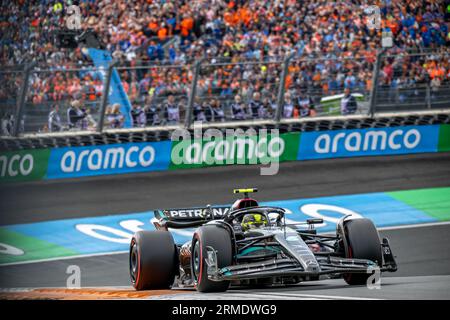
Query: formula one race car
252, 245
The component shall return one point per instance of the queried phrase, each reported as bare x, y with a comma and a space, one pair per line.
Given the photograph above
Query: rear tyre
152, 260
219, 239
363, 242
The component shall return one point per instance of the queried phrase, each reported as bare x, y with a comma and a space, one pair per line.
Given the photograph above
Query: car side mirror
274, 218
314, 221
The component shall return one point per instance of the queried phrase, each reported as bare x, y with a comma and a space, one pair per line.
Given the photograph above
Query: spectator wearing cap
348, 103
198, 111
305, 104
255, 105
171, 111
54, 120
288, 107
263, 111
7, 124
270, 107
238, 108
75, 115
208, 110
114, 118
152, 117
138, 115
217, 111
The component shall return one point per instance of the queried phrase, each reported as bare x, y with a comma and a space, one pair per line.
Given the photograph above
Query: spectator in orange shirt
436, 72
153, 25
186, 25
162, 32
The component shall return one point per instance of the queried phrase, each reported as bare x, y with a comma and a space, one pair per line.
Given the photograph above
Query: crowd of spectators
406, 78
173, 35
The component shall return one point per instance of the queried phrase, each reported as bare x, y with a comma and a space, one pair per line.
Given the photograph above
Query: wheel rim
196, 259
133, 261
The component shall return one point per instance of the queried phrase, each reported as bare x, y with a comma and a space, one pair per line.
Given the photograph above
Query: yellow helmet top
253, 221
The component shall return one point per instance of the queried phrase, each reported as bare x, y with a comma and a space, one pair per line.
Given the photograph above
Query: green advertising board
24, 165
444, 138
234, 150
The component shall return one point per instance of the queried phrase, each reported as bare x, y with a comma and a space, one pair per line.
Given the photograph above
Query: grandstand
221, 62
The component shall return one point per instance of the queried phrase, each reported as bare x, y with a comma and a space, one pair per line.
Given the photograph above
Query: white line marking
239, 296
64, 258
418, 225
316, 296
243, 295
406, 226
14, 290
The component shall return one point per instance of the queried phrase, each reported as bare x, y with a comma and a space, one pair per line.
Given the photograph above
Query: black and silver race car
251, 245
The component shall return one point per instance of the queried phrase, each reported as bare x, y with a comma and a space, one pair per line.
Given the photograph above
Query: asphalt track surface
423, 253
118, 194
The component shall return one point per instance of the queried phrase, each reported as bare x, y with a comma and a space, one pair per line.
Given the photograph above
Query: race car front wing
288, 267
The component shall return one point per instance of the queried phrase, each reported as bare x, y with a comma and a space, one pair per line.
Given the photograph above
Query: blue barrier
368, 142
108, 159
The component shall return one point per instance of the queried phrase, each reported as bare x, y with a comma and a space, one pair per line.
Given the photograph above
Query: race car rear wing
188, 217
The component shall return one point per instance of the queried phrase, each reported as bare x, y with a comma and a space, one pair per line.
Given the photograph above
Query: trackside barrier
72, 162
25, 165
108, 159
368, 142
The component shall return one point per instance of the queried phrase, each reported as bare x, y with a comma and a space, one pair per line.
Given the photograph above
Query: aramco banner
368, 142
72, 162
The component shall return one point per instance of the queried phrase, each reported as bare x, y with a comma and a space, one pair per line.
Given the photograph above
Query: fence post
281, 89
22, 98
428, 95
191, 98
105, 95
375, 78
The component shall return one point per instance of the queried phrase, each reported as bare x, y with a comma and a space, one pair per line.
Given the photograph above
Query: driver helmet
253, 221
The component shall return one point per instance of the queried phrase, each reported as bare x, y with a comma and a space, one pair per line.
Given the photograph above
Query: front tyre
218, 238
363, 242
153, 260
